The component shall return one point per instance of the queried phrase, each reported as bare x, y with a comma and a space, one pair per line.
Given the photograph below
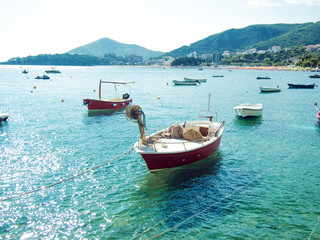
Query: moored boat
217, 76
44, 77
3, 117
249, 110
314, 76
270, 89
185, 83
307, 85
108, 105
177, 145
52, 70
195, 79
25, 71
263, 77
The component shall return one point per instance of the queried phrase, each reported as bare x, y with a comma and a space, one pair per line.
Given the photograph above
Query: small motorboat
249, 110
3, 117
178, 144
52, 70
203, 80
259, 78
108, 105
270, 89
185, 83
318, 111
44, 77
24, 71
314, 76
217, 76
307, 85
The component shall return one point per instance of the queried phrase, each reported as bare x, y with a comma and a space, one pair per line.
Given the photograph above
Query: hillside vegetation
261, 36
106, 46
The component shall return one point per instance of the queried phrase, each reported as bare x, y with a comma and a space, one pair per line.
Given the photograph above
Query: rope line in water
314, 229
233, 122
64, 180
214, 204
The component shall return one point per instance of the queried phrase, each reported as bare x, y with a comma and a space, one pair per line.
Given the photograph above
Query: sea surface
263, 183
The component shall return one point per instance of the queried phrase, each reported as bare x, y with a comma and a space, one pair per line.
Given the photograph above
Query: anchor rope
65, 180
211, 206
314, 229
233, 122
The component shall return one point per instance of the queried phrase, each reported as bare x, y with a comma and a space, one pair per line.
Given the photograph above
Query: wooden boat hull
195, 80
107, 105
184, 83
315, 76
168, 152
267, 89
246, 110
301, 85
169, 160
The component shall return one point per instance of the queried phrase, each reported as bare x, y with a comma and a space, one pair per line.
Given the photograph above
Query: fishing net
192, 134
176, 131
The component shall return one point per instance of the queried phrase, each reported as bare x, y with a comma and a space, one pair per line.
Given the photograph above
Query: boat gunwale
205, 141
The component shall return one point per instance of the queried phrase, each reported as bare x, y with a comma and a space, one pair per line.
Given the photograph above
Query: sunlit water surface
262, 184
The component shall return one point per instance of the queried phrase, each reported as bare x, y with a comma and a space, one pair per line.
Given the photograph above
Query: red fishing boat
177, 145
108, 105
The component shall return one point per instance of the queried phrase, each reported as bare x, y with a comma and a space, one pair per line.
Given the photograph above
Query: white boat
270, 89
52, 70
3, 117
185, 83
249, 110
195, 79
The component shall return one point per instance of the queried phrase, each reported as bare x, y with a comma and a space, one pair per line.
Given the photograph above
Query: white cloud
275, 3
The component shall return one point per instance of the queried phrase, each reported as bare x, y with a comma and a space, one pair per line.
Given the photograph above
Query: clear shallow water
263, 183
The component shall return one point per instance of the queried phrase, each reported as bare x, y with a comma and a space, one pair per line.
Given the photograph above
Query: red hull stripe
105, 105
164, 160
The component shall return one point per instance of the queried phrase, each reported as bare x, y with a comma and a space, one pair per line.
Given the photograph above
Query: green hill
261, 36
106, 45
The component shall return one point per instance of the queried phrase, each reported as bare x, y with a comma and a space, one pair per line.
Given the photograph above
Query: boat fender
125, 96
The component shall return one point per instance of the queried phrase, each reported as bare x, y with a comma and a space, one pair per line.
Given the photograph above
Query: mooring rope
233, 122
65, 180
314, 229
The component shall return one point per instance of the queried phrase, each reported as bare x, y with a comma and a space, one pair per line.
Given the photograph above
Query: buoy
94, 90
34, 87
62, 100
158, 97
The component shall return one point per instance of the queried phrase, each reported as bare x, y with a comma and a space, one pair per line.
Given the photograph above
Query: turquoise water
262, 184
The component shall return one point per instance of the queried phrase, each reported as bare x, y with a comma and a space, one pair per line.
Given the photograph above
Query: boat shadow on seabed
105, 112
174, 177
249, 121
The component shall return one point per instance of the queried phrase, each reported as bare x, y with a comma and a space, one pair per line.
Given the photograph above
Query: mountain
106, 45
261, 36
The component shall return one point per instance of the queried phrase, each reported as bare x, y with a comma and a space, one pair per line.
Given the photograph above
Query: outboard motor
125, 96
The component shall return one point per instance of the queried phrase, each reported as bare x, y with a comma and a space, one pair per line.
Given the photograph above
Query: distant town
217, 58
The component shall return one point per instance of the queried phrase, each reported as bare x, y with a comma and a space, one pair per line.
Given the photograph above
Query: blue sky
41, 26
